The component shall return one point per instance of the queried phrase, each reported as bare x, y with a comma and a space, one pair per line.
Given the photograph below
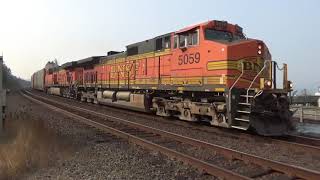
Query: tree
12, 82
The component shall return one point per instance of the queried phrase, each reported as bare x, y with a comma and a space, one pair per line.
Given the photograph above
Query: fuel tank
108, 94
123, 95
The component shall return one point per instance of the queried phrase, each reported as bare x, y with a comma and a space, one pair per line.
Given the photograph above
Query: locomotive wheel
95, 101
187, 116
161, 111
83, 99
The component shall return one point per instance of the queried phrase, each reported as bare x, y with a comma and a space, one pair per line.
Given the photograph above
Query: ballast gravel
257, 146
94, 154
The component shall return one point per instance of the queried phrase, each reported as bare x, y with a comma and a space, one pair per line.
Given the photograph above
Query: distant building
317, 93
307, 100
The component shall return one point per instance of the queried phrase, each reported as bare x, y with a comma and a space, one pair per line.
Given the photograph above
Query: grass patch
28, 145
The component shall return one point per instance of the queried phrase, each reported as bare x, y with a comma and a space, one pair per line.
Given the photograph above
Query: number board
192, 58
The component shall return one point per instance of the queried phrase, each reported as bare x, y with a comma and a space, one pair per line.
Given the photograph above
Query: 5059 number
189, 58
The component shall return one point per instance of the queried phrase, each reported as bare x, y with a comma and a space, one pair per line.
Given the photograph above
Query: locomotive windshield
215, 35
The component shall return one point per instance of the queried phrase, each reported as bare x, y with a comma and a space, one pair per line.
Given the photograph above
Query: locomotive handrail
285, 75
264, 66
280, 69
242, 72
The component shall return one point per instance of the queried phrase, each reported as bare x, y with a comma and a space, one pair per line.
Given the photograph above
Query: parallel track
304, 140
148, 136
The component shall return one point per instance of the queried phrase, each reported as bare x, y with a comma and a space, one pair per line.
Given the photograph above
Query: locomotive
206, 72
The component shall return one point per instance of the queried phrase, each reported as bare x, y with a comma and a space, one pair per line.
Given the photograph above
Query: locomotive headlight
290, 84
259, 52
268, 83
259, 47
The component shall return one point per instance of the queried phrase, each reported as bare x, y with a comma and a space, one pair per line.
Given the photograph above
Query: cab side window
193, 38
190, 38
175, 44
182, 40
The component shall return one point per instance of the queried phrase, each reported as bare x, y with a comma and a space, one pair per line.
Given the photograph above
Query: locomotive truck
206, 72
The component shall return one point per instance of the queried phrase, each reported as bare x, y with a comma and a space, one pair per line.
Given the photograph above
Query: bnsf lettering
251, 66
189, 58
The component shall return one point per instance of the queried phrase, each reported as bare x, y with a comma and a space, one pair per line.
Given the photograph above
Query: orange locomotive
207, 72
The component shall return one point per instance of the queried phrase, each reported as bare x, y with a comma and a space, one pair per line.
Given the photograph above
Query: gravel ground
93, 154
261, 147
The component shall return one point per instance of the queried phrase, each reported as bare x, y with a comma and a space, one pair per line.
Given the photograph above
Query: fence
306, 113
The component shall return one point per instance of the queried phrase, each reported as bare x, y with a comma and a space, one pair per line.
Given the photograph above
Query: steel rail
291, 170
199, 164
297, 145
310, 145
303, 139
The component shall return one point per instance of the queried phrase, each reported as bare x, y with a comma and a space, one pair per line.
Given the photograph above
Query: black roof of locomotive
89, 61
54, 69
68, 65
113, 56
144, 46
80, 63
140, 48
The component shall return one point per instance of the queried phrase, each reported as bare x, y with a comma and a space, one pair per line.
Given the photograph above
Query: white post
301, 114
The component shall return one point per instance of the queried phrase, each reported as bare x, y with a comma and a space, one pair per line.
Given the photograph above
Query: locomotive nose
247, 48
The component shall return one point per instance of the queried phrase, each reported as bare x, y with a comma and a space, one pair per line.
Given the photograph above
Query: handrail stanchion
242, 72
255, 78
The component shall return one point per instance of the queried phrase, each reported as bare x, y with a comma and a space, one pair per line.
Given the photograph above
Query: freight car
37, 80
206, 72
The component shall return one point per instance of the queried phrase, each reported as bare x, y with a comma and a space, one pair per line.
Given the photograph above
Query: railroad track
242, 166
311, 145
303, 140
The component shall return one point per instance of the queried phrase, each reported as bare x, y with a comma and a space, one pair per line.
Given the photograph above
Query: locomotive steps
242, 119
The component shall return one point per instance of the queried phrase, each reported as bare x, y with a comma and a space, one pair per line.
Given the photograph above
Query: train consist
206, 72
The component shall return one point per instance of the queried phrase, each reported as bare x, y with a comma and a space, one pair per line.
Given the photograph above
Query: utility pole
305, 96
2, 98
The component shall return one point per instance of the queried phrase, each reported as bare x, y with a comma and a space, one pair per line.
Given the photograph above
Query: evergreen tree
12, 82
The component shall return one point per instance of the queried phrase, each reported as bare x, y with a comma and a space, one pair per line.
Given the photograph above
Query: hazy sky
35, 31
